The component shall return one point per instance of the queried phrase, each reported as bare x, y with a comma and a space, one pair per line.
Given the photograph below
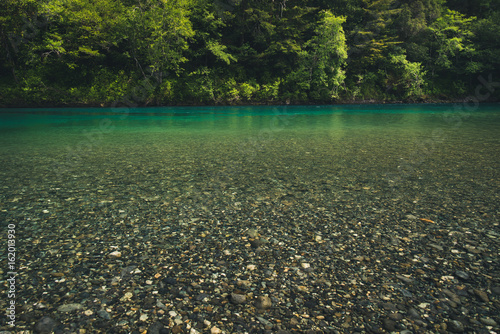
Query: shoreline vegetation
228, 52
247, 104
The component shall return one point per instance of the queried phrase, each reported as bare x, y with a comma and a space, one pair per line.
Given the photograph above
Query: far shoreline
118, 104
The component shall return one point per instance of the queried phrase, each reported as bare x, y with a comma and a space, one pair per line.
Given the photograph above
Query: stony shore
301, 236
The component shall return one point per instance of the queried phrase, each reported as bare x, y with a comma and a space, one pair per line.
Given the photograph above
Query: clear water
434, 159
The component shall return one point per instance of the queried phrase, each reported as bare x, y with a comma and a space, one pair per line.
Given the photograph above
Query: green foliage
157, 52
410, 76
451, 38
327, 57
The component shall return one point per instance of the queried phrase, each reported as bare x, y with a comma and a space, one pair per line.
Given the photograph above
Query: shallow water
176, 190
353, 160
418, 154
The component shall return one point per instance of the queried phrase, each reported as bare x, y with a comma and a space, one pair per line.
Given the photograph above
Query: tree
409, 77
158, 34
327, 56
18, 27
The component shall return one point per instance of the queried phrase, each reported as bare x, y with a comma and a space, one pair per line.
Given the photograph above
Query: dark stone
149, 303
462, 275
27, 317
177, 329
413, 313
389, 306
45, 325
103, 314
389, 325
61, 330
170, 281
311, 303
84, 295
155, 328
396, 316
255, 243
455, 326
101, 324
201, 296
238, 298
482, 295
406, 293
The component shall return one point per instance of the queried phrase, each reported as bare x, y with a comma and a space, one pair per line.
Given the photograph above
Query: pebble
170, 281
405, 279
462, 275
160, 305
455, 326
396, 316
155, 328
244, 283
263, 303
177, 329
127, 296
413, 313
115, 254
238, 298
215, 330
253, 233
389, 325
267, 323
70, 307
488, 321
437, 247
482, 295
256, 243
45, 325
103, 314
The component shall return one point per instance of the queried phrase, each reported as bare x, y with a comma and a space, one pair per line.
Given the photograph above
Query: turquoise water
432, 154
63, 126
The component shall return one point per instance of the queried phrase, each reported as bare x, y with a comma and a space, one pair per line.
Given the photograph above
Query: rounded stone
45, 325
488, 321
263, 303
455, 326
237, 298
70, 307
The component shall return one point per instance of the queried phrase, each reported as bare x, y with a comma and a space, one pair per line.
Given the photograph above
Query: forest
230, 52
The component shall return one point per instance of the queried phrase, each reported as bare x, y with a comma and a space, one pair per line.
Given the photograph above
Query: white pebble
115, 254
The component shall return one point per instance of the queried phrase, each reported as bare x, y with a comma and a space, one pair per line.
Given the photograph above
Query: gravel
296, 233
